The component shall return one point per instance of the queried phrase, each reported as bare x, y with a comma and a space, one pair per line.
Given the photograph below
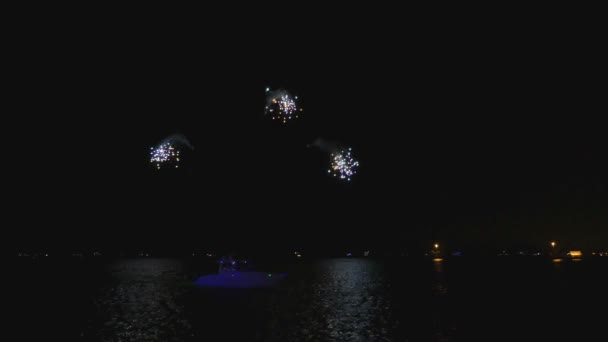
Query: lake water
349, 299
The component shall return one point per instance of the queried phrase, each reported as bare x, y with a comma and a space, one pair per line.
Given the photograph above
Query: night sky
471, 137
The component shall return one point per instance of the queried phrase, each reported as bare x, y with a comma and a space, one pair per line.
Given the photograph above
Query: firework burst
281, 105
343, 165
165, 154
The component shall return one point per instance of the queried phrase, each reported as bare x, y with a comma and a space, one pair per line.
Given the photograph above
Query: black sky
465, 133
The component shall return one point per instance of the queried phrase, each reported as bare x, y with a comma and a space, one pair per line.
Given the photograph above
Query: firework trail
178, 139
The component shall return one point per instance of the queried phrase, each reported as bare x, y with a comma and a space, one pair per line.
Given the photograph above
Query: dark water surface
458, 299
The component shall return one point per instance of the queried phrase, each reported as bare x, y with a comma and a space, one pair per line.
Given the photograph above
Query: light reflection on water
141, 302
328, 300
439, 290
348, 302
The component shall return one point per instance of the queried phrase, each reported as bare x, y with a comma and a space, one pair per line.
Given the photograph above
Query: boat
235, 274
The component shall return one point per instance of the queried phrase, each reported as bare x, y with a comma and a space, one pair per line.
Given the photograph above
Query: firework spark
165, 154
281, 105
343, 164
